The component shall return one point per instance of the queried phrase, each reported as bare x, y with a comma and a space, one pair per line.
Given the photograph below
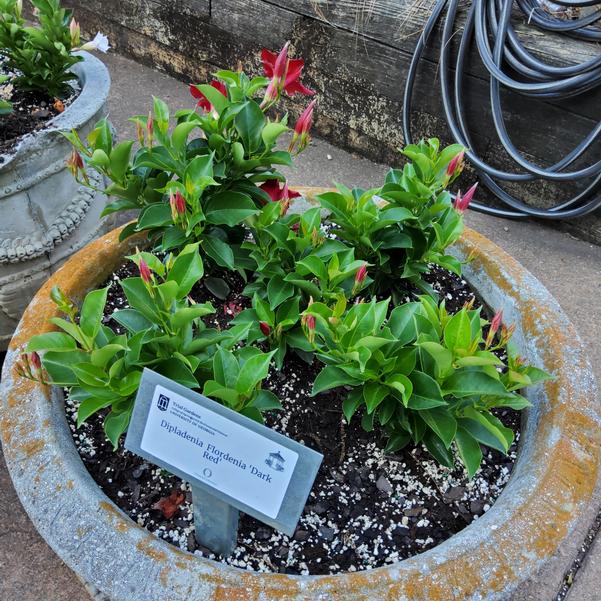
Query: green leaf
351, 403
458, 332
253, 371
215, 390
176, 370
441, 357
271, 132
426, 392
92, 310
217, 286
138, 298
249, 123
89, 374
115, 426
100, 357
397, 441
219, 251
374, 394
184, 316
214, 96
471, 382
265, 400
90, 406
181, 133
229, 208
487, 429
331, 377
278, 291
225, 368
51, 341
155, 215
442, 423
187, 269
120, 159
132, 320
469, 450
437, 449
402, 323
59, 364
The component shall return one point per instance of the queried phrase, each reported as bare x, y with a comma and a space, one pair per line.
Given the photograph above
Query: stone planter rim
551, 486
93, 78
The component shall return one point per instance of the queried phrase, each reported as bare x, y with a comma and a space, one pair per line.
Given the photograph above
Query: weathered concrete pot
494, 558
46, 215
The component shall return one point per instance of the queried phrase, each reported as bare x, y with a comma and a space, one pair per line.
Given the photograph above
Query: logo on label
163, 402
276, 462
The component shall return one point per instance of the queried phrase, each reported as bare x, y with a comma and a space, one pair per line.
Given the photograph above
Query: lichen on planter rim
551, 485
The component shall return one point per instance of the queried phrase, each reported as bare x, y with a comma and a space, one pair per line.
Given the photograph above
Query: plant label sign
231, 462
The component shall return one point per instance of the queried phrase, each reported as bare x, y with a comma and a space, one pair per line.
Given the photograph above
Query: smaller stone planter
495, 558
46, 215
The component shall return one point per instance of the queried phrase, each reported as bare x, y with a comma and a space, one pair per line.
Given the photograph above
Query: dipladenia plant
200, 175
407, 224
41, 56
162, 329
422, 374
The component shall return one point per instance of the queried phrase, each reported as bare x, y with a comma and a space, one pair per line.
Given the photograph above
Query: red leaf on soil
169, 505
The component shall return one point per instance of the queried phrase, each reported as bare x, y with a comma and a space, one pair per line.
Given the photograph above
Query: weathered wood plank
360, 84
399, 22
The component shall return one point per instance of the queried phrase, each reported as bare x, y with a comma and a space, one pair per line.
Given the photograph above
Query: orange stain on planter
121, 523
235, 594
147, 547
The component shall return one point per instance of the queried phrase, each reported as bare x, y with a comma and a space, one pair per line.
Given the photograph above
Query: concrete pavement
569, 268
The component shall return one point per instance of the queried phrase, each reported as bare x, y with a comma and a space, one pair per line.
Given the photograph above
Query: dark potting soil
31, 112
366, 509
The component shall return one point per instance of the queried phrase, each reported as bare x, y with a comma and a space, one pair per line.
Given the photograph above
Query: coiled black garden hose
511, 65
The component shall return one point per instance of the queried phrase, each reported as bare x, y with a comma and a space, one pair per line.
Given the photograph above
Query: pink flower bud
361, 274
265, 329
495, 324
75, 31
145, 272
462, 202
140, 133
302, 128
35, 361
174, 213
456, 165
280, 69
180, 203
150, 128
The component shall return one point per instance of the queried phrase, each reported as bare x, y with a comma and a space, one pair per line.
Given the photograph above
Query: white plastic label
221, 453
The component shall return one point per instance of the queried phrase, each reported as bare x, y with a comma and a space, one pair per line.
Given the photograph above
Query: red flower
272, 187
462, 202
203, 102
265, 328
302, 128
292, 85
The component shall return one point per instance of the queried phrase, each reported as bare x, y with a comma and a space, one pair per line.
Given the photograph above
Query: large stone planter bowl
46, 215
493, 558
